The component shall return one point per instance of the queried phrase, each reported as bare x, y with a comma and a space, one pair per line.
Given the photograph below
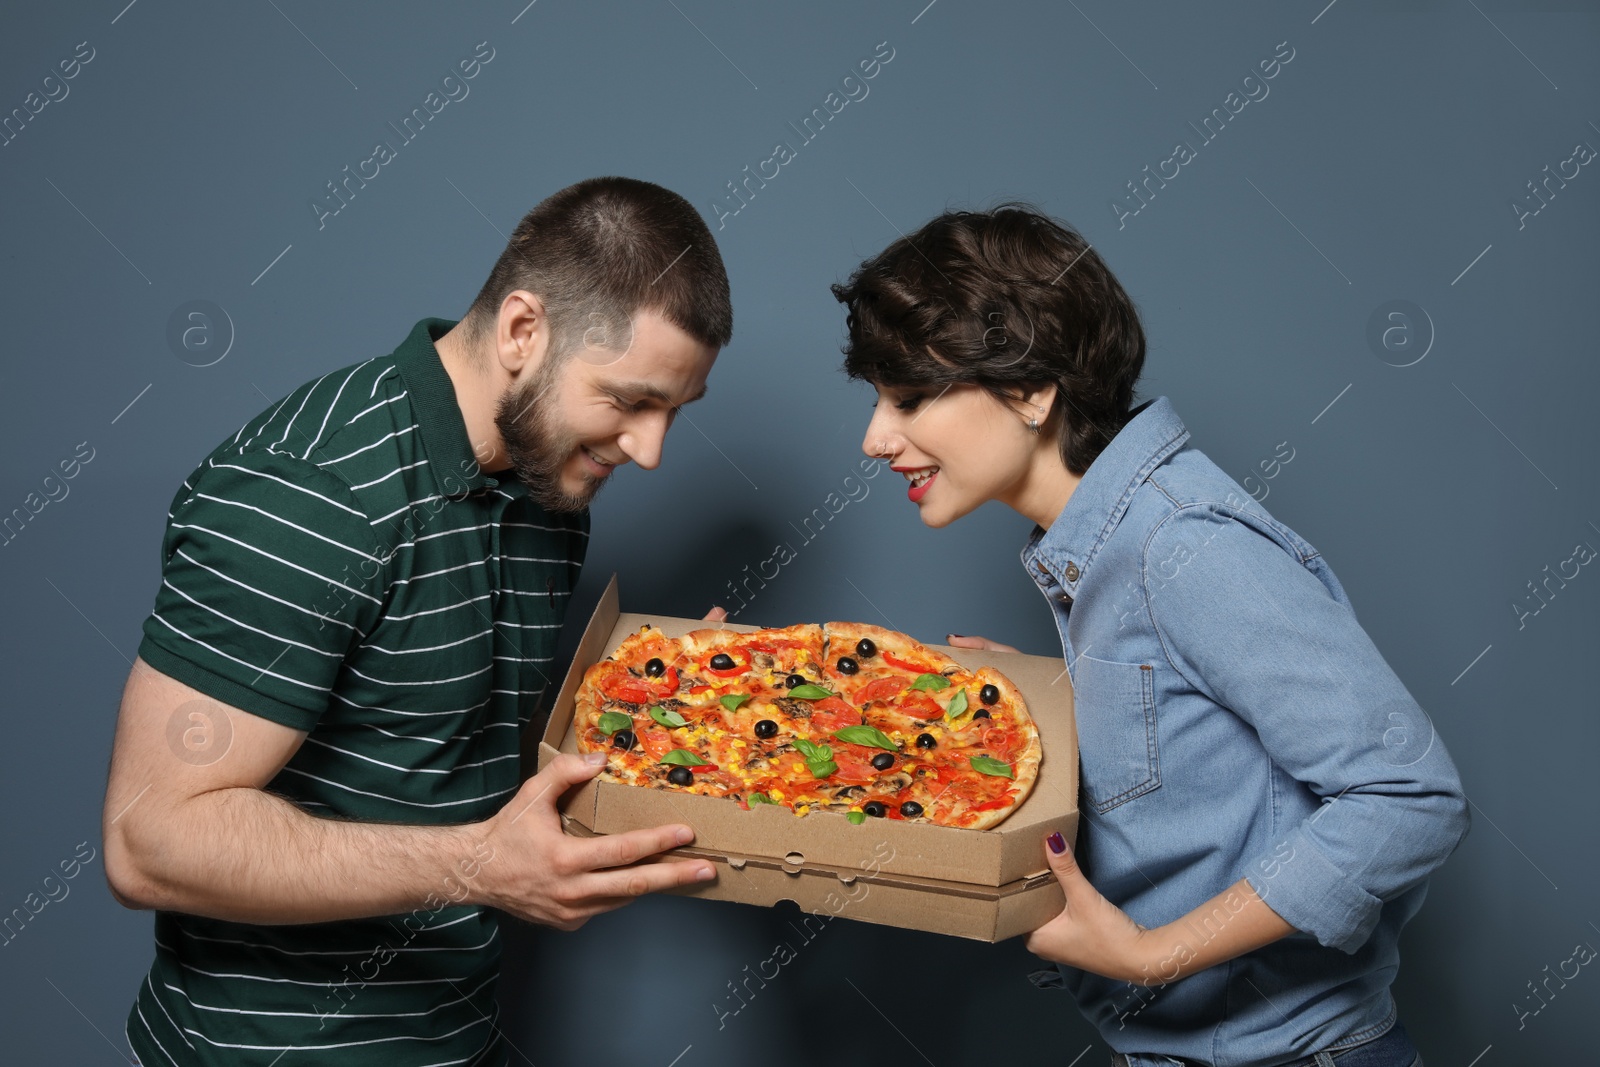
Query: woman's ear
1038, 401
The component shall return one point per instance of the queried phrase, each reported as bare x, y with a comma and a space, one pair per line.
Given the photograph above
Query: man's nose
643, 443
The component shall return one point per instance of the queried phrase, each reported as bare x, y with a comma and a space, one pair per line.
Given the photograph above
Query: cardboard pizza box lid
1011, 852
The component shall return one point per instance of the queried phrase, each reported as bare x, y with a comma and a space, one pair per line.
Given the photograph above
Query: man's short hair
598, 252
1009, 300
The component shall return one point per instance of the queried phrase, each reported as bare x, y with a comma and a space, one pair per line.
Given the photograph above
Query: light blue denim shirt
1235, 721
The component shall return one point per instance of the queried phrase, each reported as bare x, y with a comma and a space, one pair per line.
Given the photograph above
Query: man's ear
522, 334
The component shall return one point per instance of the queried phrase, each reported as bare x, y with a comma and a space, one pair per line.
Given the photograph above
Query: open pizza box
983, 884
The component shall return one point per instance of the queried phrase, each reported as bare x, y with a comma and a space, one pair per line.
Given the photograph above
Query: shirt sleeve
1253, 627
270, 574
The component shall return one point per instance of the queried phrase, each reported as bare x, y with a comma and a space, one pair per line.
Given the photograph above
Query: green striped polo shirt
342, 566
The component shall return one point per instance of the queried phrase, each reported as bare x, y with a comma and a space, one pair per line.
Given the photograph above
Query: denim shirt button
1072, 571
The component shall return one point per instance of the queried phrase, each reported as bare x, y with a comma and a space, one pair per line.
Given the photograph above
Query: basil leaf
812, 751
759, 798
682, 757
733, 700
990, 765
856, 817
866, 735
822, 768
612, 721
931, 681
957, 707
667, 717
809, 692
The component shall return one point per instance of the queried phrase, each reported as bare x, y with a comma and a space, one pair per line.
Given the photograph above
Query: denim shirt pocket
1116, 715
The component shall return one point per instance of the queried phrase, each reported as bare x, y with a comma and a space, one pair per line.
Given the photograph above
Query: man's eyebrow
654, 392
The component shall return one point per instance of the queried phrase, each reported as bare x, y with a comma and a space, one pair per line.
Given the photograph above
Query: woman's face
958, 446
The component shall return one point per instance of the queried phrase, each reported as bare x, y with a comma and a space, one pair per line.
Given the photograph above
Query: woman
1262, 799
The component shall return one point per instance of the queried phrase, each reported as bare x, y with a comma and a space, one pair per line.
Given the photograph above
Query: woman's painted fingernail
1057, 843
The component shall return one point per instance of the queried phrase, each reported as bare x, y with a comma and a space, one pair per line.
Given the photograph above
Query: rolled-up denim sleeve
1270, 636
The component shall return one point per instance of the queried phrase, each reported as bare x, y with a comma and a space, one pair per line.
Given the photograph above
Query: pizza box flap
1006, 853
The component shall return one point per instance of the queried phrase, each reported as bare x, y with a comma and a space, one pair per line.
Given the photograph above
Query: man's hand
964, 641
535, 871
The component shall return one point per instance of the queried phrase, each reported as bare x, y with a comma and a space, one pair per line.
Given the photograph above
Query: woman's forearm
1230, 924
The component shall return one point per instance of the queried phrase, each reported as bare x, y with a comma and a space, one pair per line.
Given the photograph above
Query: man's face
578, 419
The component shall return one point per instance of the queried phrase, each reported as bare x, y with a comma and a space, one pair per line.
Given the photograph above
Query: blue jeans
1392, 1048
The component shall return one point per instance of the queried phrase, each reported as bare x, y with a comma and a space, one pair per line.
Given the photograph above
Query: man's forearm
245, 855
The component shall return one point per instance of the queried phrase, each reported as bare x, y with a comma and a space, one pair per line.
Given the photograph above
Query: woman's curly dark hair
1009, 300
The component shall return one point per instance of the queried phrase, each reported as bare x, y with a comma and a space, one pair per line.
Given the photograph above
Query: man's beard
538, 447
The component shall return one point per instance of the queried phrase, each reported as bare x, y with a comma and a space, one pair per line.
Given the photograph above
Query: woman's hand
1091, 933
964, 641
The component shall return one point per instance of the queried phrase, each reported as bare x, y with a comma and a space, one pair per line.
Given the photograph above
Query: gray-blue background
1382, 166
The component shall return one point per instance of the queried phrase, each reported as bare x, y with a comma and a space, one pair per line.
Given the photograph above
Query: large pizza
842, 717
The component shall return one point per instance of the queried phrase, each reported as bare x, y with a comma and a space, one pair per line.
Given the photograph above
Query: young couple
315, 773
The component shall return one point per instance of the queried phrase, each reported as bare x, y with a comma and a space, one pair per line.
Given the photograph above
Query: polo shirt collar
439, 421
1063, 554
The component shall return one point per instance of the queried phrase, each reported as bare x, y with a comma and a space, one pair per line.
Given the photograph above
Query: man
315, 774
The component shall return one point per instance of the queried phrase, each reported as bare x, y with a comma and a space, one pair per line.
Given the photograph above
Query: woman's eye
908, 403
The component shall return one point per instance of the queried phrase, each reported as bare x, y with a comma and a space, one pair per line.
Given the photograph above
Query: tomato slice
880, 689
853, 767
920, 705
832, 714
657, 743
1001, 740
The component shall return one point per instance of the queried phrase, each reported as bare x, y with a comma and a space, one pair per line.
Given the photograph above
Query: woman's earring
1033, 426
